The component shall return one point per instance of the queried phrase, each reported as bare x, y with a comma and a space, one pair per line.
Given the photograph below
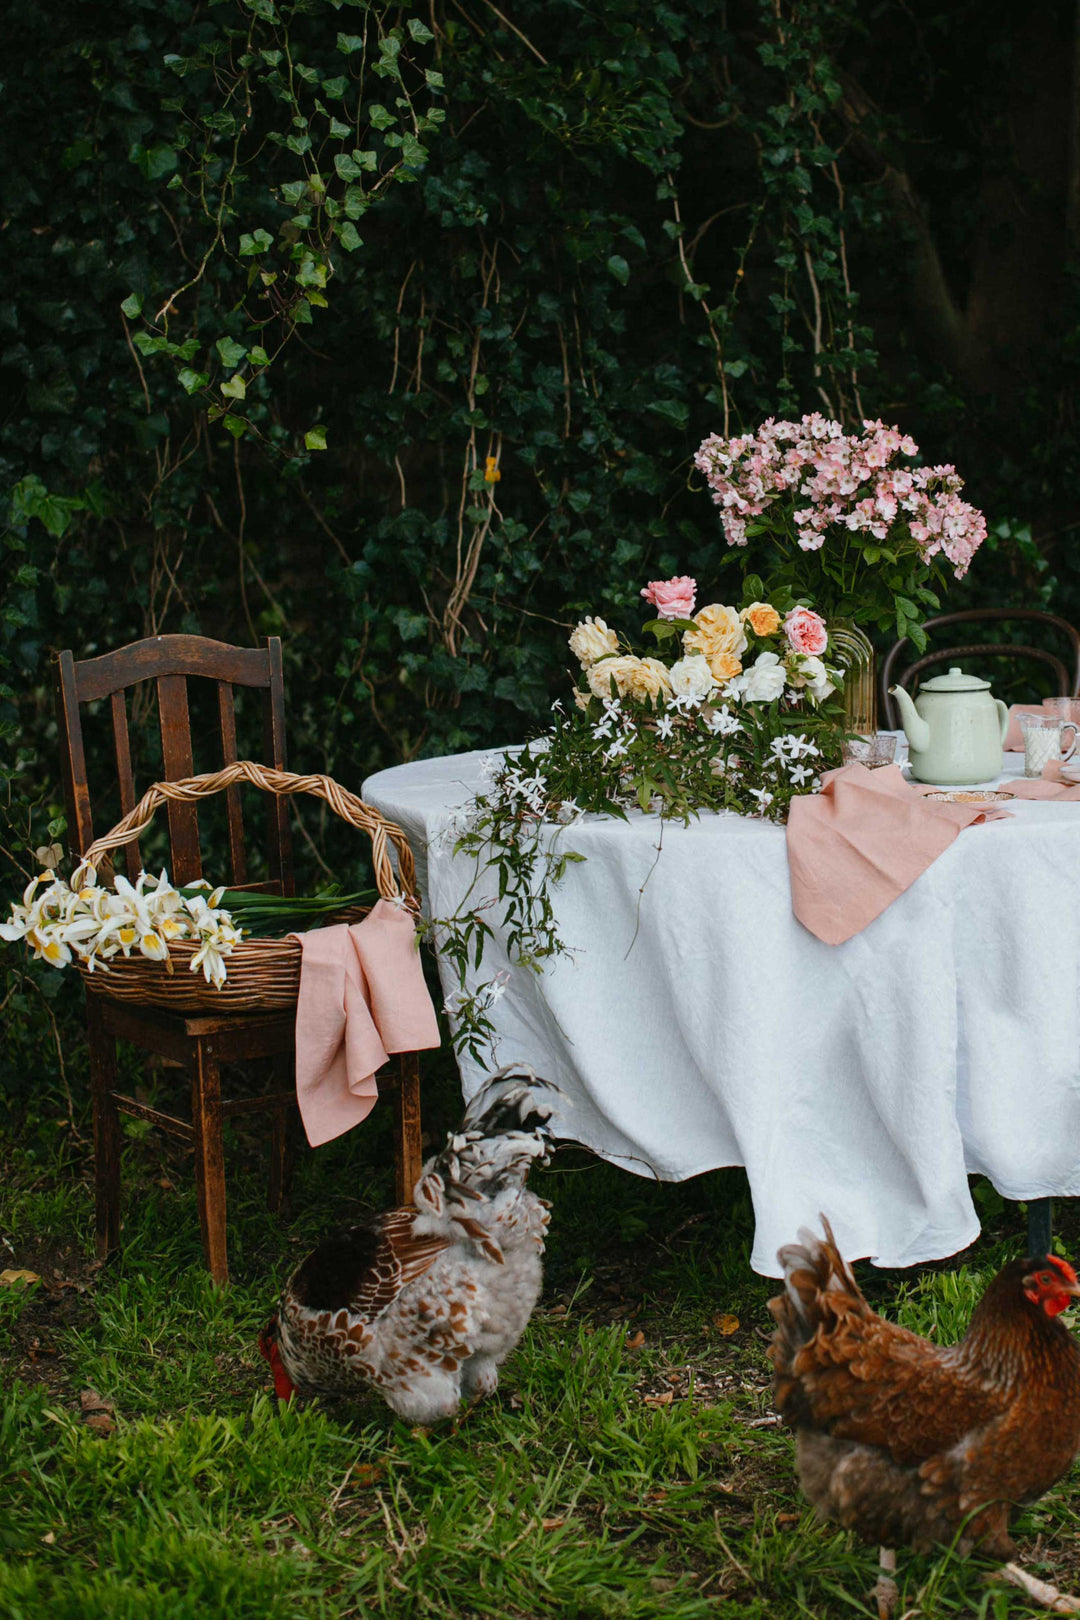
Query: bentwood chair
895, 672
200, 1043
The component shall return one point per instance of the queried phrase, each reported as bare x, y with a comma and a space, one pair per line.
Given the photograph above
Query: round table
697, 1024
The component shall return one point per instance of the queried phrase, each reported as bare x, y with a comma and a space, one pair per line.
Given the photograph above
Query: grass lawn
629, 1465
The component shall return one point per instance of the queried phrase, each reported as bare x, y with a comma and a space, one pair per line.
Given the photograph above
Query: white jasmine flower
800, 774
722, 723
666, 725
763, 796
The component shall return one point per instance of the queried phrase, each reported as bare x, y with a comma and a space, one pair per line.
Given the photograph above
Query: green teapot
955, 729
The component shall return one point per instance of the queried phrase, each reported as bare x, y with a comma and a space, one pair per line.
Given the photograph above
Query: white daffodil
153, 946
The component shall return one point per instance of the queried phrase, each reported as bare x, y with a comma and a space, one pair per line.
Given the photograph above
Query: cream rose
592, 639
691, 677
719, 637
811, 673
633, 677
764, 681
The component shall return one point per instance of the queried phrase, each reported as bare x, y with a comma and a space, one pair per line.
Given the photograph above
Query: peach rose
806, 631
633, 677
762, 618
720, 637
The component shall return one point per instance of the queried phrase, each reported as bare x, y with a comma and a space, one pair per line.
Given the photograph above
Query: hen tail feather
813, 1270
504, 1131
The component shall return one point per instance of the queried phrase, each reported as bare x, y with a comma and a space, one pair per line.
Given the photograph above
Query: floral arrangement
858, 523
61, 921
736, 710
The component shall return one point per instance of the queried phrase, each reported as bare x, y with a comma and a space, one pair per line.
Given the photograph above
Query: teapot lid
956, 681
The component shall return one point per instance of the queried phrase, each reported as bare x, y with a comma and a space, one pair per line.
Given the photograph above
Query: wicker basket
263, 974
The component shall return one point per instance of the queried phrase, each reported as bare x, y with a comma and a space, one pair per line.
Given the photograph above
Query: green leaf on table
315, 438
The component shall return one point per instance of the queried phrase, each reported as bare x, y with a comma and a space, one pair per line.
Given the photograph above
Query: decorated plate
969, 795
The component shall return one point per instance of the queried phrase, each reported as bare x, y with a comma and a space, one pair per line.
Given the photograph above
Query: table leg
1039, 1225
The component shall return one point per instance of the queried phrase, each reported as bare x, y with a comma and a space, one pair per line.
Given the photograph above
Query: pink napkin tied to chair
362, 997
863, 840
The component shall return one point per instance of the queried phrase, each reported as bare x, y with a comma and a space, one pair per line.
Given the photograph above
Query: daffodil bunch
60, 921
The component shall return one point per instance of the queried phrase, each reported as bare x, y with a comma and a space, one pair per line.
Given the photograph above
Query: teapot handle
1003, 718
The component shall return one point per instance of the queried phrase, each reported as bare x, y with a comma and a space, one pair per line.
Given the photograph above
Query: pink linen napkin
1051, 785
362, 996
863, 840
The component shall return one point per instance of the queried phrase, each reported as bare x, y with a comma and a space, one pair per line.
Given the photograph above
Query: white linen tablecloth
698, 1024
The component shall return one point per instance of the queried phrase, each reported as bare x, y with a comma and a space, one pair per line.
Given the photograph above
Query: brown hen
908, 1442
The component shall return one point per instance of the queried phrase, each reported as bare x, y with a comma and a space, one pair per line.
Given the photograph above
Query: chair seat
228, 1037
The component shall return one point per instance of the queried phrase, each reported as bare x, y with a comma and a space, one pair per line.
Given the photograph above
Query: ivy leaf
231, 353
419, 31
255, 242
348, 43
619, 268
315, 438
191, 380
349, 236
235, 388
236, 425
132, 305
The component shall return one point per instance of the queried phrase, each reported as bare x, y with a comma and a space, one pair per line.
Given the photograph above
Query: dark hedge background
573, 238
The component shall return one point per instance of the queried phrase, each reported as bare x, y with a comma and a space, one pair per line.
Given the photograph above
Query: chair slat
280, 843
186, 863
233, 804
73, 756
125, 776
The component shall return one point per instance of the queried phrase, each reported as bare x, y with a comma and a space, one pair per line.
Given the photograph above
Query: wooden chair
202, 1044
1067, 685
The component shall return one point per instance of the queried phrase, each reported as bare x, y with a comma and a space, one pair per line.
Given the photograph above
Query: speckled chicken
425, 1302
913, 1443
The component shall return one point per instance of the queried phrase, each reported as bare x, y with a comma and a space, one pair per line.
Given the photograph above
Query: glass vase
854, 651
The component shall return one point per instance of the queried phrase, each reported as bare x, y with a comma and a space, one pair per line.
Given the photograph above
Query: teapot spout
915, 727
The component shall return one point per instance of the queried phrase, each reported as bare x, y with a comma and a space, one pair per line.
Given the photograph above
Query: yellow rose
592, 639
720, 637
633, 677
762, 618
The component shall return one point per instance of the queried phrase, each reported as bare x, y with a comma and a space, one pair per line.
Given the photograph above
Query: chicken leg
886, 1593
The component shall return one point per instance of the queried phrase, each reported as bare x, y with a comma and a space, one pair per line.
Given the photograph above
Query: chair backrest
1068, 685
169, 661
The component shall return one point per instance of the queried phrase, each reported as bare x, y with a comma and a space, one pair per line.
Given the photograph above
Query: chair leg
209, 1161
106, 1130
408, 1151
282, 1139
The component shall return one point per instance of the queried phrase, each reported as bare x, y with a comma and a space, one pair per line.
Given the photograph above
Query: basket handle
362, 816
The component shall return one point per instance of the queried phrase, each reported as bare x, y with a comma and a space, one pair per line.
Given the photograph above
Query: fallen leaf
660, 1400
367, 1474
551, 1524
557, 1310
100, 1422
636, 1340
8, 1278
726, 1324
788, 1518
91, 1401
49, 1537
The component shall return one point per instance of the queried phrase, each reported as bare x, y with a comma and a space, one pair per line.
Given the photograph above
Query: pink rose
806, 632
672, 598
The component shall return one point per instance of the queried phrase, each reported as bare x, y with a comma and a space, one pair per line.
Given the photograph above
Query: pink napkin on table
362, 996
863, 840
1051, 785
